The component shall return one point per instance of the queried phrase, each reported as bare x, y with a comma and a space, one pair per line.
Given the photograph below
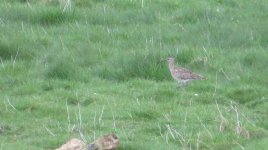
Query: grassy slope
104, 58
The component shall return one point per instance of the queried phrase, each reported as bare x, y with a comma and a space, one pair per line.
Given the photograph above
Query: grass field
98, 67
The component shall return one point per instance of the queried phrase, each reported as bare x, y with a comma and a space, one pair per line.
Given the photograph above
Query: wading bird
181, 75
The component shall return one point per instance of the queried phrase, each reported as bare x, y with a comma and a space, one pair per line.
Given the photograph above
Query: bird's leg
183, 83
180, 84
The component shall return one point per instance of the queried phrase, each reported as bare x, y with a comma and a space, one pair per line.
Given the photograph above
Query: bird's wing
187, 74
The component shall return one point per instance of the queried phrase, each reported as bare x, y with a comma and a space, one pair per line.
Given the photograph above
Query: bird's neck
171, 65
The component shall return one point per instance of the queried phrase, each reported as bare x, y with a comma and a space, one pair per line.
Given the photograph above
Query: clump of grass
20, 13
254, 59
6, 50
263, 33
144, 115
86, 57
243, 95
61, 69
146, 16
190, 16
21, 1
83, 3
250, 60
40, 14
112, 16
146, 66
10, 50
53, 16
185, 56
46, 2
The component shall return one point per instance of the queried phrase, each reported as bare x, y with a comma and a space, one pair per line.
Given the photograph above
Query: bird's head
170, 60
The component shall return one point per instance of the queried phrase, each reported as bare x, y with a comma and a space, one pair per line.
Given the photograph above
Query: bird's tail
203, 78
199, 77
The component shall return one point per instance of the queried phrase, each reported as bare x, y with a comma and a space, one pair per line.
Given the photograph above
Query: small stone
107, 142
73, 144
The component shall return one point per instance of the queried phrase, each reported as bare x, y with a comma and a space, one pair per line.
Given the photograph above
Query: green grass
104, 61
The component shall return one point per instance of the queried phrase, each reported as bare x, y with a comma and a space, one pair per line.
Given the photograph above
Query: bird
106, 142
181, 75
